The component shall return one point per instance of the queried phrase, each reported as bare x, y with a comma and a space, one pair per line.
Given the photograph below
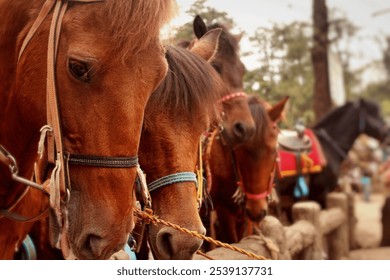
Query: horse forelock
131, 26
334, 115
259, 113
191, 84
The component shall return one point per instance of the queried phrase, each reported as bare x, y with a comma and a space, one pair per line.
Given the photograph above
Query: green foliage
285, 69
209, 14
342, 32
285, 66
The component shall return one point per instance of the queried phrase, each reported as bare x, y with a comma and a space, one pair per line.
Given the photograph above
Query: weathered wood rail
315, 234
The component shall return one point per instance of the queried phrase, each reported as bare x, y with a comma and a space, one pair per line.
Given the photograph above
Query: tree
322, 102
386, 58
380, 91
285, 68
342, 32
209, 14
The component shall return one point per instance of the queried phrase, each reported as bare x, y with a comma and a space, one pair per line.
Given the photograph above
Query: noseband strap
171, 179
103, 161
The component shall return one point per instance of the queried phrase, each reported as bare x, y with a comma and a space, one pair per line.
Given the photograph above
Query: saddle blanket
310, 162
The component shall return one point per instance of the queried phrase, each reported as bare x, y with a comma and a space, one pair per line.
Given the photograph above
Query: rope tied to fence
150, 218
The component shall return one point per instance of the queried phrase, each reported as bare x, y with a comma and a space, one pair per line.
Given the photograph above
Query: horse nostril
239, 130
165, 243
202, 230
174, 245
94, 246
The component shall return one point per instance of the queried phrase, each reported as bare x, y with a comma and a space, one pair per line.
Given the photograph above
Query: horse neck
220, 159
342, 134
20, 138
14, 17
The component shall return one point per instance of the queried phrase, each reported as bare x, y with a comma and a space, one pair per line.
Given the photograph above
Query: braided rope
155, 220
199, 252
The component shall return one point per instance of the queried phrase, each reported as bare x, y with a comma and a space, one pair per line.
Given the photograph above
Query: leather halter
232, 96
54, 138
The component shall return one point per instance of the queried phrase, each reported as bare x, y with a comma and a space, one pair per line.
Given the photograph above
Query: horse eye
217, 68
80, 70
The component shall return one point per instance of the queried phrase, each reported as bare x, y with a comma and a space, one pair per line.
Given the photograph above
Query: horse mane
137, 21
333, 115
191, 84
372, 107
259, 113
125, 18
359, 104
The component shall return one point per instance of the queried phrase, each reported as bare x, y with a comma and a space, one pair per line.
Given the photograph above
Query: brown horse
242, 177
96, 58
167, 243
177, 114
237, 121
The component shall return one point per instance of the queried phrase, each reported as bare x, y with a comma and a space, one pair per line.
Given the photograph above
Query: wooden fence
315, 234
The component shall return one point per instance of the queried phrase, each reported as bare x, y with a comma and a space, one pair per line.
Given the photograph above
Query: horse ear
276, 112
199, 26
238, 37
207, 45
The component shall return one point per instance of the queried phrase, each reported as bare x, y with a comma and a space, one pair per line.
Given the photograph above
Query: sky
251, 14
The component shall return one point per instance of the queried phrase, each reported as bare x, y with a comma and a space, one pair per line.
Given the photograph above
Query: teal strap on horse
173, 178
130, 248
300, 189
28, 247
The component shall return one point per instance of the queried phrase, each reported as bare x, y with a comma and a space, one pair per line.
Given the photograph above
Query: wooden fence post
338, 239
351, 217
310, 211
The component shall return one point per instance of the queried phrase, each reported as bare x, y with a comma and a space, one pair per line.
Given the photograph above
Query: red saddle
312, 159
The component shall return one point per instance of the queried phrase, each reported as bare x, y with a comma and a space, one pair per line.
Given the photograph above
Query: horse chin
233, 140
255, 214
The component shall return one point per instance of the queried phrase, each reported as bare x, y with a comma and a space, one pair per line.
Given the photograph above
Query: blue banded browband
171, 179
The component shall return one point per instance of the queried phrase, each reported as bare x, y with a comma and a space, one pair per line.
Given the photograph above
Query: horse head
237, 121
258, 157
99, 62
177, 114
371, 121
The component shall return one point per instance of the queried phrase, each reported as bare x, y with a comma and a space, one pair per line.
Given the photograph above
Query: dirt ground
369, 229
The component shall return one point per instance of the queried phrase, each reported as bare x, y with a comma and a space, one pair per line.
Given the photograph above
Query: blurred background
321, 53
278, 40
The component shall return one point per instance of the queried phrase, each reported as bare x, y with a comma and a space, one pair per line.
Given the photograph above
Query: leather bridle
241, 192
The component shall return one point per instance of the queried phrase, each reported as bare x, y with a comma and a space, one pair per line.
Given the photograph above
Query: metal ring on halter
14, 169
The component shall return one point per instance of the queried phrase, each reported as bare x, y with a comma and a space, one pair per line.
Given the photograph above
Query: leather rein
241, 193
